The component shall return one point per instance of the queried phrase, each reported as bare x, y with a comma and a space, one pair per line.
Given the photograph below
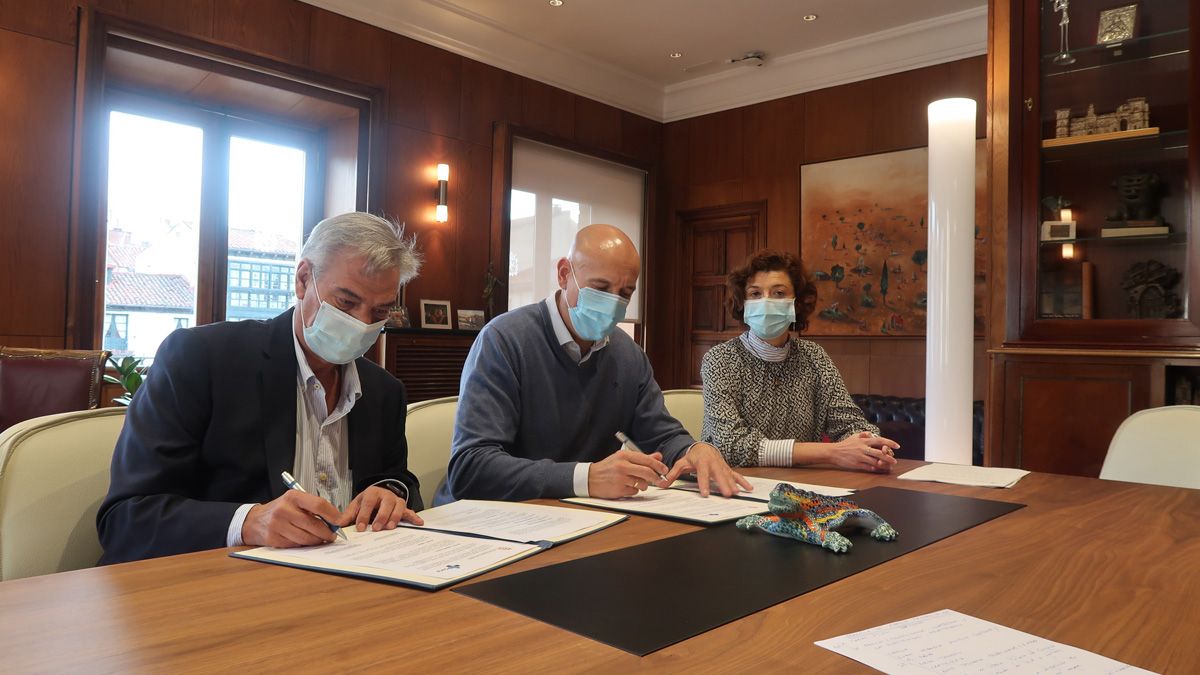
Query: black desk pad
646, 597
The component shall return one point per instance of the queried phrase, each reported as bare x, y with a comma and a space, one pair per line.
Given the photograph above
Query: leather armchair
37, 382
902, 419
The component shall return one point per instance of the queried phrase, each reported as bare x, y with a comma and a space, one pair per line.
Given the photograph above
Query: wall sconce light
1065, 214
1068, 251
443, 176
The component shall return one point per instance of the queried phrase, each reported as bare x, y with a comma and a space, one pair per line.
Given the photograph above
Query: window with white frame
555, 192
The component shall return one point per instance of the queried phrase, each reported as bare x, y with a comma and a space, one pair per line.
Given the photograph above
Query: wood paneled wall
440, 108
755, 152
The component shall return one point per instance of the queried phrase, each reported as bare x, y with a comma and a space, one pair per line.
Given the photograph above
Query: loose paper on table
678, 504
763, 487
958, 474
947, 641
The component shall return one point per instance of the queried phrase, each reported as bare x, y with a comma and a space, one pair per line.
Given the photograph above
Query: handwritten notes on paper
947, 641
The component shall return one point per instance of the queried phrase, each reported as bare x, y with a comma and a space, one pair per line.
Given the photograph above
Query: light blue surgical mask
595, 313
335, 336
769, 318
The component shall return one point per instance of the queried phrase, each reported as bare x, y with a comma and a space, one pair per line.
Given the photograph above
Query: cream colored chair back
1157, 446
429, 429
687, 406
53, 475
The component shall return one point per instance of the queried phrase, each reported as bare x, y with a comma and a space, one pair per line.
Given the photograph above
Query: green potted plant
130, 375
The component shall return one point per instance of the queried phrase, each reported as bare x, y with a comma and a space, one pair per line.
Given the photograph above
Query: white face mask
334, 335
769, 318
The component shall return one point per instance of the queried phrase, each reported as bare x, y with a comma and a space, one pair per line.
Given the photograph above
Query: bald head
601, 257
604, 243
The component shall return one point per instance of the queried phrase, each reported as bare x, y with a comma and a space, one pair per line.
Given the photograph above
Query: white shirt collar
351, 386
563, 335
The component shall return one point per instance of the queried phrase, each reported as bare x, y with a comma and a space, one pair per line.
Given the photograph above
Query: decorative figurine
1132, 114
398, 317
1064, 57
813, 519
1149, 287
490, 282
1138, 195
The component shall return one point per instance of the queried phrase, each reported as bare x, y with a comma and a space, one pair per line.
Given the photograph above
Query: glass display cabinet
1108, 189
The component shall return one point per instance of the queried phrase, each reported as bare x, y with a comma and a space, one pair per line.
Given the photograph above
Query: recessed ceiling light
676, 55
807, 17
556, 3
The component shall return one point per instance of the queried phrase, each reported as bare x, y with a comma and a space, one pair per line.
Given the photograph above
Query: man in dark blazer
228, 407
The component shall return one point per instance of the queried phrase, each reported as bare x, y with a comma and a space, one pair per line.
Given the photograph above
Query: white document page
951, 642
516, 522
763, 487
678, 504
404, 553
958, 474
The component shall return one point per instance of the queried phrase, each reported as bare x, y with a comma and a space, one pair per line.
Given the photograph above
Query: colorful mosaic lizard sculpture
813, 518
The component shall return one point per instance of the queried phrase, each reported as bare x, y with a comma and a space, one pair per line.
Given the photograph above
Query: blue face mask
769, 318
335, 336
596, 313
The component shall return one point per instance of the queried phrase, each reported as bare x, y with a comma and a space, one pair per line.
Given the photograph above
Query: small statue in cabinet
1132, 114
1149, 287
1138, 196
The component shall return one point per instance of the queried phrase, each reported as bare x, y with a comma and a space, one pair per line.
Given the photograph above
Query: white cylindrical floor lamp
951, 295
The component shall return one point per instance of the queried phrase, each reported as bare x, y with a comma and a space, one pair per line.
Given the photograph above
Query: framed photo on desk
435, 314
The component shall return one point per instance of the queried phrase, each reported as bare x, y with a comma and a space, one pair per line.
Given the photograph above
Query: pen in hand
633, 446
293, 485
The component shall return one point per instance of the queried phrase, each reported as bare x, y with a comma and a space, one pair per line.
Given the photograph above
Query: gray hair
380, 240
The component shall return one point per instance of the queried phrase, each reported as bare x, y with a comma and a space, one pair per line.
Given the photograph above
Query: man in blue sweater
546, 387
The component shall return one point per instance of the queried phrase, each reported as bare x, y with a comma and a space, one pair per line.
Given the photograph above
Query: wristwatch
396, 487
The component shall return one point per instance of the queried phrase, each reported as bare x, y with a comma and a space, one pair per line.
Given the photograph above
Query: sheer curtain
554, 193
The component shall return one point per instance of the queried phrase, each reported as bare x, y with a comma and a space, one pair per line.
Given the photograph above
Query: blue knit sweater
527, 413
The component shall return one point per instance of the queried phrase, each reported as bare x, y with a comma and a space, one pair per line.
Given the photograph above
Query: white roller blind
554, 193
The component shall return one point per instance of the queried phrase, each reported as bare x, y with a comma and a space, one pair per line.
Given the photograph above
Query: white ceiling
616, 51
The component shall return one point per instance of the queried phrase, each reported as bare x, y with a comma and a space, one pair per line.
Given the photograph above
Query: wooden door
715, 240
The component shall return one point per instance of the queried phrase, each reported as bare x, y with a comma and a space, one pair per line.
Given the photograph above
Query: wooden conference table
1109, 567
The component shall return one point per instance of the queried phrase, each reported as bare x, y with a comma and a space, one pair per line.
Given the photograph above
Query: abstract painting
864, 240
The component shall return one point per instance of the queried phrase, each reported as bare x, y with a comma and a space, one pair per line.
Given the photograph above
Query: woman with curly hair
770, 397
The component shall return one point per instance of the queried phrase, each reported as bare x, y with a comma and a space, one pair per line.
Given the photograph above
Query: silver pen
633, 446
293, 485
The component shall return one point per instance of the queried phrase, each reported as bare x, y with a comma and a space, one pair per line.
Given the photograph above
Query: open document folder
682, 501
679, 505
459, 541
763, 486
